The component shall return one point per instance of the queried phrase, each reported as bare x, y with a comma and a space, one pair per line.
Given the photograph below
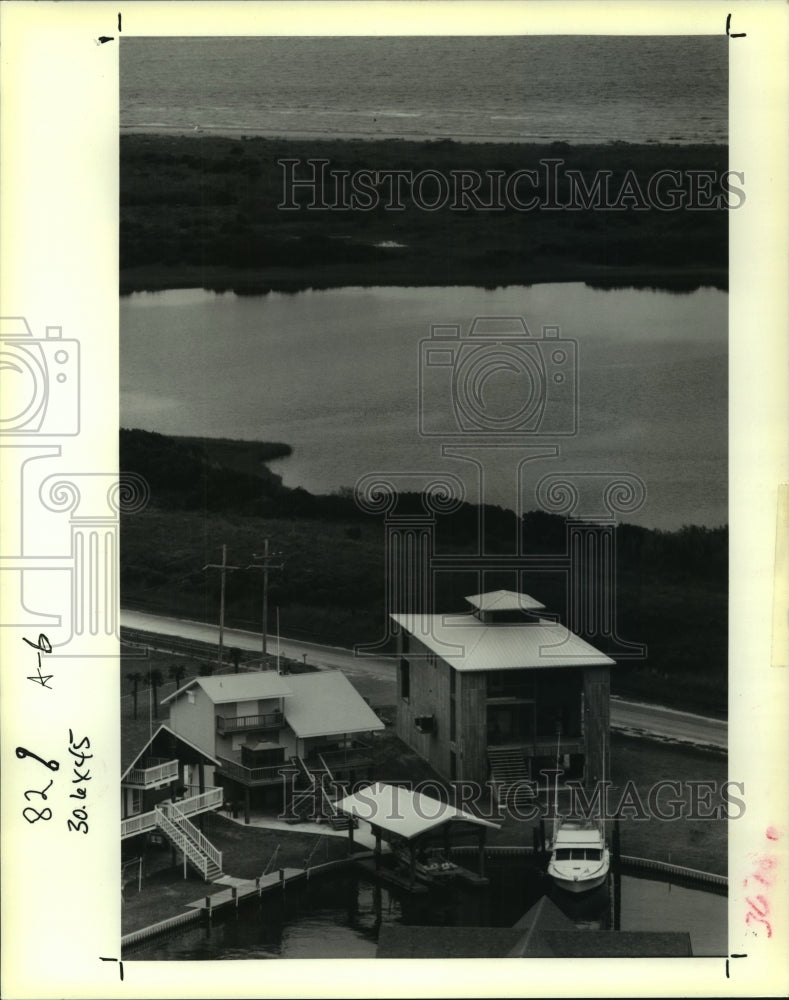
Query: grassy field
245, 853
203, 211
332, 590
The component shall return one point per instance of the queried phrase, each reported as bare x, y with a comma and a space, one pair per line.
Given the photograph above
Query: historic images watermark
665, 801
312, 184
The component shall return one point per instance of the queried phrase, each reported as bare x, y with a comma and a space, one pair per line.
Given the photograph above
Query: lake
350, 378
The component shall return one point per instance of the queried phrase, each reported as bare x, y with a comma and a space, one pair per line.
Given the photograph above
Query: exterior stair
508, 773
183, 834
335, 819
314, 799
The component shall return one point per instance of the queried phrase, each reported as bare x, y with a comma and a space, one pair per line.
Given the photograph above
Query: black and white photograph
425, 358
426, 551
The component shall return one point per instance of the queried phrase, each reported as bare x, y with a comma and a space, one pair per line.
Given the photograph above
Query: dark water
339, 916
515, 88
336, 374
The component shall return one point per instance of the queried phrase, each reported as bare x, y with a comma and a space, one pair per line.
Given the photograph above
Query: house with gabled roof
261, 726
165, 786
497, 691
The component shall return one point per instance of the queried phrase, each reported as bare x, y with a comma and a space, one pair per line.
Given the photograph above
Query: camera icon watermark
59, 576
39, 386
497, 381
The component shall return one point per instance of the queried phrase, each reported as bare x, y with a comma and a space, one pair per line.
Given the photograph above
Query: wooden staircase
508, 775
183, 834
313, 797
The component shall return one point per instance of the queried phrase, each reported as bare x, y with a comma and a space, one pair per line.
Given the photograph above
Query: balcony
251, 775
542, 747
212, 798
360, 755
156, 772
243, 723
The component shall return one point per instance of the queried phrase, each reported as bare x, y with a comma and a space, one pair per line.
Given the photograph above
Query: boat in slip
579, 860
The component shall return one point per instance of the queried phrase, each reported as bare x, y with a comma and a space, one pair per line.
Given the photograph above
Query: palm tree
156, 679
235, 656
177, 673
134, 679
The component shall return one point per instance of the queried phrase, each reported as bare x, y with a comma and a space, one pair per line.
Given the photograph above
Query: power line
224, 569
265, 566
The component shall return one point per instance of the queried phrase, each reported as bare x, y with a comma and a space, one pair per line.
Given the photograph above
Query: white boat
580, 860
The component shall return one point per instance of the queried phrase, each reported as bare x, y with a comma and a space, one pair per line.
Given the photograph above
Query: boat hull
578, 885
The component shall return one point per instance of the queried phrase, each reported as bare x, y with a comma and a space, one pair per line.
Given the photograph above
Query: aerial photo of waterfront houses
424, 622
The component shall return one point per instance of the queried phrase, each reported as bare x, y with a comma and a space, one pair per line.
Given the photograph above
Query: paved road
668, 724
374, 677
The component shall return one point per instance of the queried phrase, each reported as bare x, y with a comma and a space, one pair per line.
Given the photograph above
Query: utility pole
223, 568
265, 565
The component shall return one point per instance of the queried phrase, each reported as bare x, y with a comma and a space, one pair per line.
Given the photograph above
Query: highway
374, 677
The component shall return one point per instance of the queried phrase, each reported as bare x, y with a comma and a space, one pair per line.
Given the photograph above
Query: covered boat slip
419, 829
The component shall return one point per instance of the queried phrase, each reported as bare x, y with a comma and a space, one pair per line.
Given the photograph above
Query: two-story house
256, 724
495, 693
164, 788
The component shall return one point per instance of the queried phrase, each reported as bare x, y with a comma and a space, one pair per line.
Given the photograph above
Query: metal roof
505, 600
468, 644
325, 703
401, 811
238, 687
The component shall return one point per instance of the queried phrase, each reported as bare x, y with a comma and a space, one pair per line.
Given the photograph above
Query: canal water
340, 915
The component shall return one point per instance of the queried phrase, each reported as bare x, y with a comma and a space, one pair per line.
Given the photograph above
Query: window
405, 680
579, 854
190, 697
136, 801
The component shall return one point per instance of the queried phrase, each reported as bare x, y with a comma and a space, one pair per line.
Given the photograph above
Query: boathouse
420, 831
490, 694
258, 724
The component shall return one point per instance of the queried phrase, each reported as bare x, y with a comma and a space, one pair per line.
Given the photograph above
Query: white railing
210, 799
144, 822
138, 824
154, 775
173, 813
177, 837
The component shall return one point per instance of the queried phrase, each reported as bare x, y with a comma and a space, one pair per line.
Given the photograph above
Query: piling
616, 849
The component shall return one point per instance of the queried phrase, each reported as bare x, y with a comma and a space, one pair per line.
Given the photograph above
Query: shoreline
290, 281
245, 132
205, 210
